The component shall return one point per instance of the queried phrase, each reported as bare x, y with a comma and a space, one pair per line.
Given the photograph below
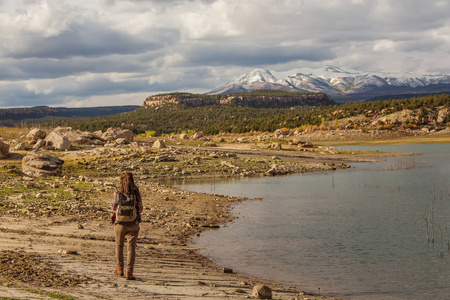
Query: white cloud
384, 45
52, 51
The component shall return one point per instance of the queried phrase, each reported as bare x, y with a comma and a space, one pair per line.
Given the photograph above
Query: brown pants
130, 233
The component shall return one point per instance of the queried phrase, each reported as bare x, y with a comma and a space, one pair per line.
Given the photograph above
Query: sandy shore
51, 247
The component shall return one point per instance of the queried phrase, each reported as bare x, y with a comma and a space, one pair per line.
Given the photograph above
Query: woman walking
127, 208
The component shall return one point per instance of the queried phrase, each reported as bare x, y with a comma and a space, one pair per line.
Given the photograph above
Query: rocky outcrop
112, 134
40, 164
57, 141
4, 149
311, 99
263, 99
179, 98
35, 134
442, 115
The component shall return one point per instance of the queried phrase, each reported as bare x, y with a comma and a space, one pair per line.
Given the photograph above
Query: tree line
214, 119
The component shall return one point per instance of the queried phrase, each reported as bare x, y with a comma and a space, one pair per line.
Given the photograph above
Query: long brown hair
126, 184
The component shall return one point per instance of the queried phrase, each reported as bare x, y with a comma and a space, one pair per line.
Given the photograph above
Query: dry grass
9, 133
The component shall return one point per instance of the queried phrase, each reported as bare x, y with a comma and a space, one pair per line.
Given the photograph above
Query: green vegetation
213, 119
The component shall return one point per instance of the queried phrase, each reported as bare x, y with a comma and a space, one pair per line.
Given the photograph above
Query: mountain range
342, 84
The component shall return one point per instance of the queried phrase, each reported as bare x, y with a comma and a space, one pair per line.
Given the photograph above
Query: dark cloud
22, 69
85, 40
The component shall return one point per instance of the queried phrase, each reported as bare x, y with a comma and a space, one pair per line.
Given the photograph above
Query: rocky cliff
309, 99
182, 98
273, 99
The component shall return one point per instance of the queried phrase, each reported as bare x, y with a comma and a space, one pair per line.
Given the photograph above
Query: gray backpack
126, 208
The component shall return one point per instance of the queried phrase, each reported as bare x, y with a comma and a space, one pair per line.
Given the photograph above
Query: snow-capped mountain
340, 83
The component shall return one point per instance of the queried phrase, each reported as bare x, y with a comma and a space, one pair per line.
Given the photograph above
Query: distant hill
43, 114
343, 85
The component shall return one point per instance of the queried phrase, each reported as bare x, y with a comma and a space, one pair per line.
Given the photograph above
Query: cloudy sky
79, 53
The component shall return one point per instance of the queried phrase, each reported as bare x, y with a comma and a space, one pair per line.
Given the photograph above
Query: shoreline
74, 241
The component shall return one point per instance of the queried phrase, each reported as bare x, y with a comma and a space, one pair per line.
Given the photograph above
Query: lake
358, 233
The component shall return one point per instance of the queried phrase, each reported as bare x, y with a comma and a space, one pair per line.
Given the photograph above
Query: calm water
357, 233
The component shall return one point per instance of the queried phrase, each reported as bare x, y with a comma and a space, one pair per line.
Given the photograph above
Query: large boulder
40, 164
57, 140
262, 291
77, 137
36, 134
159, 144
4, 149
198, 135
112, 134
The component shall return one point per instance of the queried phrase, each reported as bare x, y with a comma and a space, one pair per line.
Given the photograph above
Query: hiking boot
118, 271
130, 276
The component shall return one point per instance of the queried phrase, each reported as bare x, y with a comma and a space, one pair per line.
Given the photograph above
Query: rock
280, 133
184, 136
4, 149
71, 252
112, 134
442, 114
210, 144
159, 144
262, 291
198, 135
122, 141
306, 145
163, 157
20, 146
39, 144
57, 140
277, 170
35, 134
39, 164
77, 137
296, 142
275, 146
